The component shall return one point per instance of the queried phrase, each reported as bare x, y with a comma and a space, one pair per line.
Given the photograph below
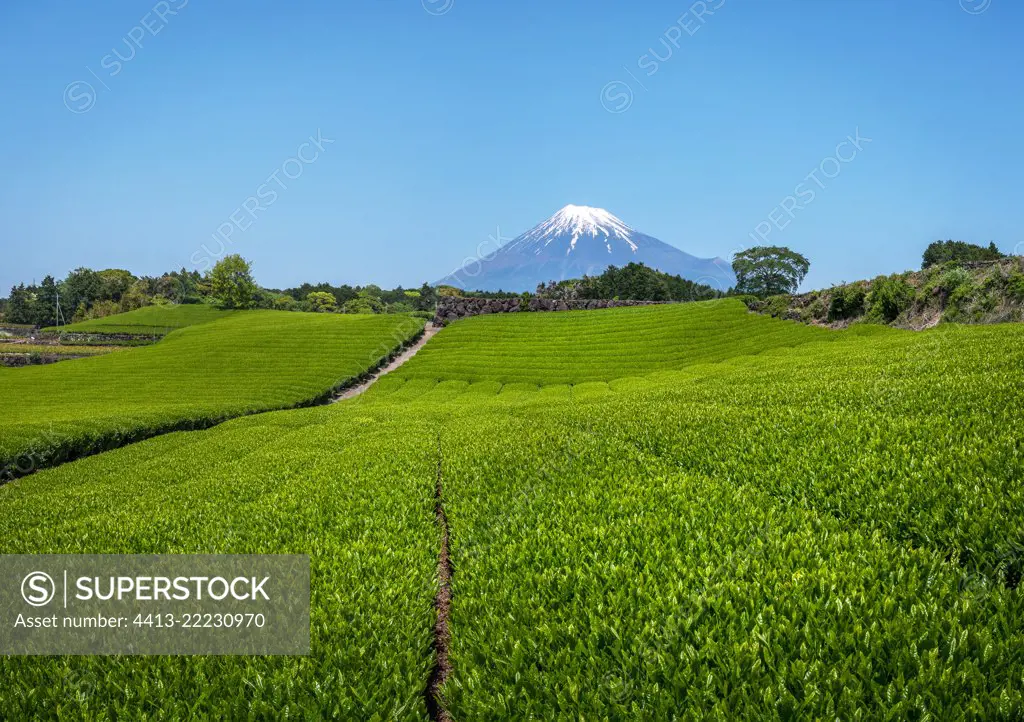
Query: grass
771, 524
196, 376
149, 320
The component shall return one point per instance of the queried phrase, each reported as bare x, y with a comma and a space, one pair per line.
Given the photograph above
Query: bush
890, 296
847, 302
816, 311
1015, 286
953, 279
777, 306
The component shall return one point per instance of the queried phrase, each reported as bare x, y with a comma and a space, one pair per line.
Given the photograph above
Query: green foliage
285, 303
582, 346
81, 287
1015, 286
315, 483
634, 282
321, 302
958, 251
953, 278
674, 512
196, 376
114, 283
769, 270
231, 283
150, 320
363, 304
847, 302
889, 297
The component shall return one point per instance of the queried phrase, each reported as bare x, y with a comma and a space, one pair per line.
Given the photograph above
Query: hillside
149, 320
243, 363
779, 522
953, 292
578, 346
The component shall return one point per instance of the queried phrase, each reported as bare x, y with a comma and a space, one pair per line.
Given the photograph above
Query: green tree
363, 304
45, 306
322, 302
945, 251
114, 283
285, 302
769, 270
19, 306
135, 296
231, 282
82, 286
427, 298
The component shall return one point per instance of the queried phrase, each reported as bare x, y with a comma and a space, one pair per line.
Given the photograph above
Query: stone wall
452, 309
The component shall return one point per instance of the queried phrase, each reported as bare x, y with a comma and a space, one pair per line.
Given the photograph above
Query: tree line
760, 271
86, 293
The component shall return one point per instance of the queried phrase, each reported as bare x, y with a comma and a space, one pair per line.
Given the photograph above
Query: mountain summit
578, 241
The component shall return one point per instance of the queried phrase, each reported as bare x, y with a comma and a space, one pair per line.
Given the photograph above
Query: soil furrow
442, 605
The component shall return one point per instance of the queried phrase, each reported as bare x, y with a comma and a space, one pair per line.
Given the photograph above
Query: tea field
149, 320
709, 516
196, 376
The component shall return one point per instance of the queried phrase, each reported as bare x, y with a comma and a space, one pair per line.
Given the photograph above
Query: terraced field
722, 517
149, 320
196, 376
579, 346
61, 350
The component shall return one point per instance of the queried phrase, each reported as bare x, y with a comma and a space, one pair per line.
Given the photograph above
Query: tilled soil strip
442, 604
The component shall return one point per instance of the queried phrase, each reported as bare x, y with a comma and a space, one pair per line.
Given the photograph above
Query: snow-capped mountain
578, 241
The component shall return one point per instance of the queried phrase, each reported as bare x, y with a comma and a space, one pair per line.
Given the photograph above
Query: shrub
777, 306
890, 296
954, 278
1015, 286
847, 302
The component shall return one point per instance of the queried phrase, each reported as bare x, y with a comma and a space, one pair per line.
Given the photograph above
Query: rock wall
452, 308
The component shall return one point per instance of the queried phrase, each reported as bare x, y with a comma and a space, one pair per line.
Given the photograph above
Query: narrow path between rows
353, 391
36, 460
442, 605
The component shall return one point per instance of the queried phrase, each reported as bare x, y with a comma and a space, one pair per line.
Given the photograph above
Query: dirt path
353, 391
443, 606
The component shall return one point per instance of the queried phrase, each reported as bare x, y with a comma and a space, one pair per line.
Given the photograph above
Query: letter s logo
38, 589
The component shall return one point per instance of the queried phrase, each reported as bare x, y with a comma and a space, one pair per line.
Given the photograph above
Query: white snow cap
579, 221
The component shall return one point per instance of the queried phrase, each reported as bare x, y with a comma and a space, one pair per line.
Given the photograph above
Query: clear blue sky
453, 119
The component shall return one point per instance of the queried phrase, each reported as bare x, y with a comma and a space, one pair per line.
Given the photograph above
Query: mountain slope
579, 241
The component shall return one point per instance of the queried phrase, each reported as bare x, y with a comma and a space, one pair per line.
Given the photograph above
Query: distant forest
86, 293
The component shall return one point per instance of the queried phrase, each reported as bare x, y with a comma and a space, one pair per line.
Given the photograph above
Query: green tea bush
197, 376
686, 512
